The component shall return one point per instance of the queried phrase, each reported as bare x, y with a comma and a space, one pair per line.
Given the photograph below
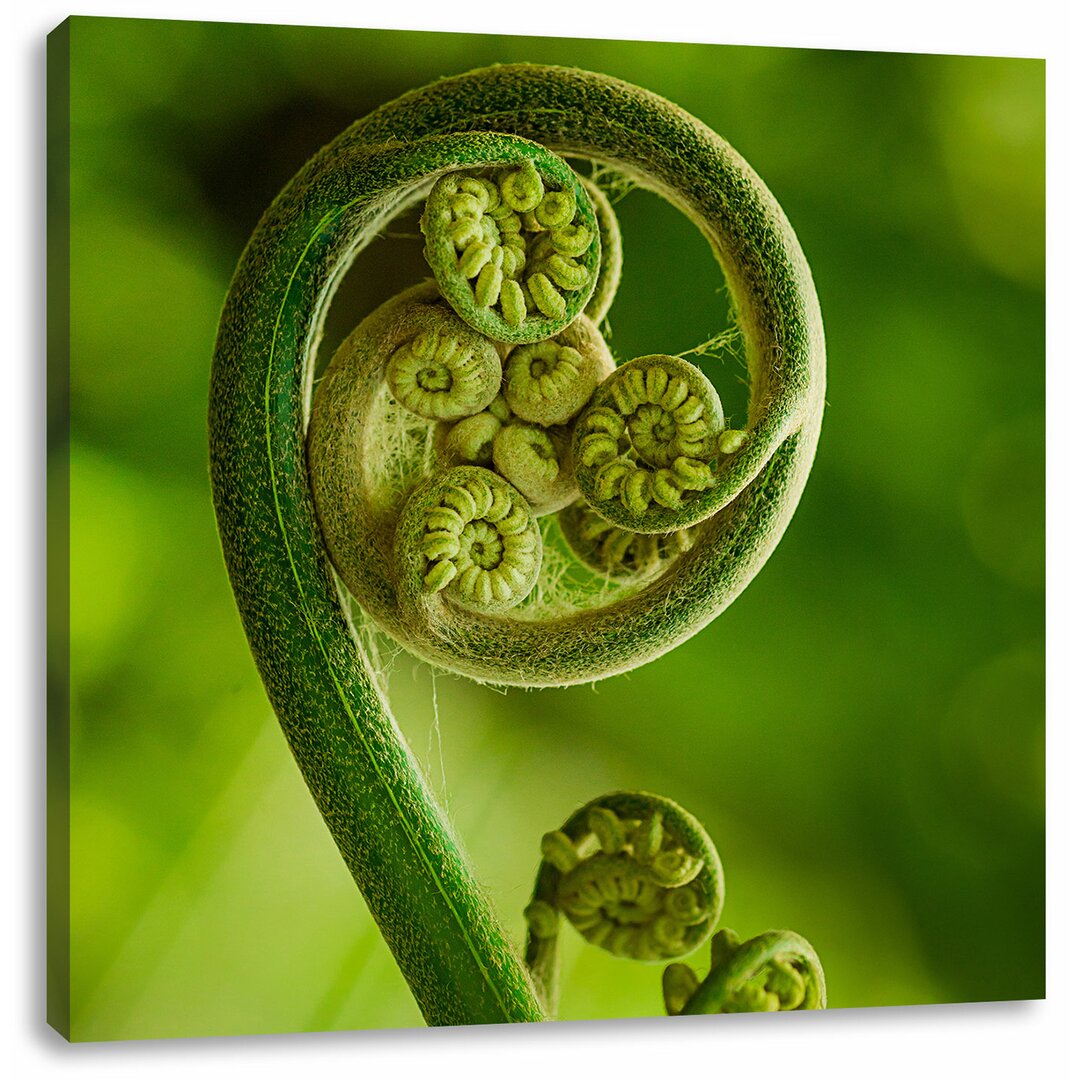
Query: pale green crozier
458, 962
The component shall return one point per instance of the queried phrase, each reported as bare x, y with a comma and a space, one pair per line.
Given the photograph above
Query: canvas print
475, 598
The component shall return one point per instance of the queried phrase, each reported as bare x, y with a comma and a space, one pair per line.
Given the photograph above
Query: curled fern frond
646, 448
649, 454
549, 382
358, 489
633, 873
515, 250
777, 971
536, 461
444, 370
470, 534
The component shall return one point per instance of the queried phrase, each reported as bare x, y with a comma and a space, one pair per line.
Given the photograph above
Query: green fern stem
458, 962
394, 839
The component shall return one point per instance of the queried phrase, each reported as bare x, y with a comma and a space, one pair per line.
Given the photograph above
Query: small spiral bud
547, 298
608, 829
510, 289
645, 840
787, 984
673, 869
542, 918
475, 538
646, 444
565, 272
774, 972
683, 905
571, 241
522, 189
679, 984
470, 441
558, 849
731, 441
537, 462
555, 210
606, 871
550, 382
512, 303
444, 372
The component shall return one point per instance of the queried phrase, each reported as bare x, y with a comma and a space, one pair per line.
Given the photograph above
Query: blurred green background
882, 794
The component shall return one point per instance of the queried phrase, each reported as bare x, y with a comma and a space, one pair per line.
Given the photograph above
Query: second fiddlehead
637, 875
777, 971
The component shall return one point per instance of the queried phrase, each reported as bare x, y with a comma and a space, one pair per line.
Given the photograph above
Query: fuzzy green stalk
458, 962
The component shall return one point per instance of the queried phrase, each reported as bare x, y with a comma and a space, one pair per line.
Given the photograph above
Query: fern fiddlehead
649, 450
638, 876
443, 371
523, 252
633, 873
515, 251
479, 541
777, 971
644, 446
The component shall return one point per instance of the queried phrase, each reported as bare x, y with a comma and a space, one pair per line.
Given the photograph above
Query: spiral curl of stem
633, 873
628, 471
516, 251
294, 500
777, 971
647, 445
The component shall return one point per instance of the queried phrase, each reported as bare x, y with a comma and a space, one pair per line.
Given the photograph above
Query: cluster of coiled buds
501, 361
524, 432
633, 873
478, 540
637, 875
777, 971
